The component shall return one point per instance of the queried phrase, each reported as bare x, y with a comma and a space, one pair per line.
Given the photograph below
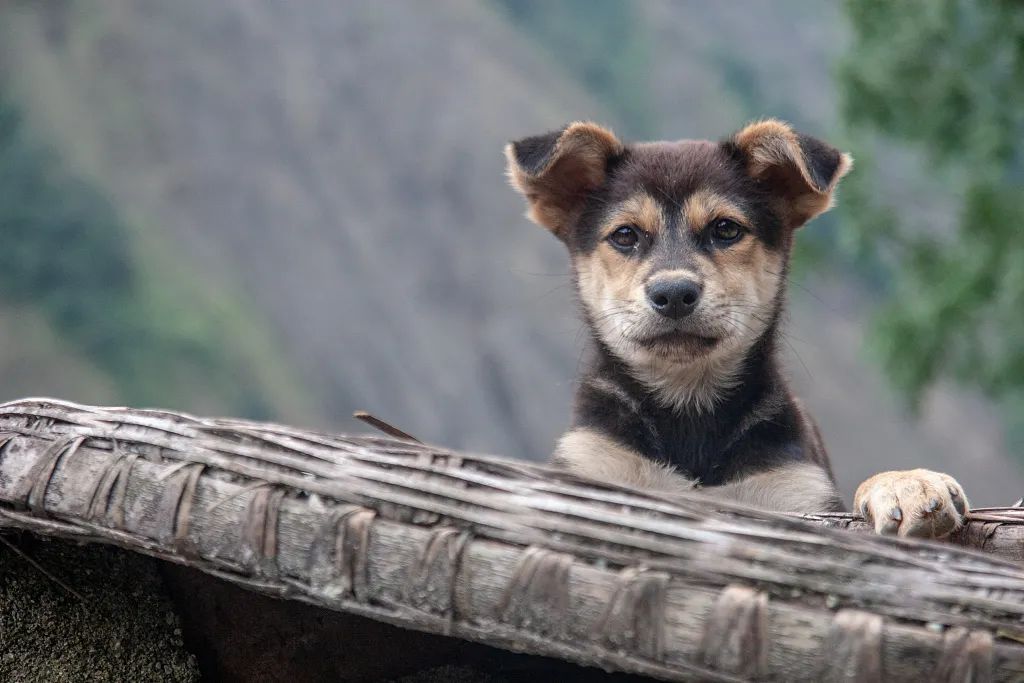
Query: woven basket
519, 556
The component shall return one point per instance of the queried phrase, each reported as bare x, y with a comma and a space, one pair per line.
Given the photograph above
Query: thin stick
23, 555
383, 426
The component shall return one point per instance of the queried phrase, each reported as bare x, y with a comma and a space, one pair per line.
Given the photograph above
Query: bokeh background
292, 210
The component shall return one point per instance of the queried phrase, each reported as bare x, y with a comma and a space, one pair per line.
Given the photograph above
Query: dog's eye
625, 237
726, 231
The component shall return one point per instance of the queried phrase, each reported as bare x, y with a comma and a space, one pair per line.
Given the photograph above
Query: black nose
674, 298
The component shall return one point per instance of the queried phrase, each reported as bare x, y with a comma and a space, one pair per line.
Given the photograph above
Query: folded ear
801, 171
555, 171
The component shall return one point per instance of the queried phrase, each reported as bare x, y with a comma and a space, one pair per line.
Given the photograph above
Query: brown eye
726, 231
624, 238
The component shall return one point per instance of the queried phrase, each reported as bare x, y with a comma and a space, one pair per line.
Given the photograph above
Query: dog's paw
918, 503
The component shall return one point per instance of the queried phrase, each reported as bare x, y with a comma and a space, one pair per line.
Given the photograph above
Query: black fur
822, 160
534, 153
712, 447
756, 426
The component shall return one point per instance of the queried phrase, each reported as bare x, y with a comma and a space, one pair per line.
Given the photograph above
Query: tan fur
800, 488
576, 165
705, 206
697, 383
608, 279
591, 454
612, 289
917, 503
740, 286
774, 151
675, 274
640, 210
611, 285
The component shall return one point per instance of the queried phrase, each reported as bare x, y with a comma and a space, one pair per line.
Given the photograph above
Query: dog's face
680, 249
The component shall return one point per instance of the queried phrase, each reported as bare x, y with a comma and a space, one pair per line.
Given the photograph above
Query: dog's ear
800, 170
555, 171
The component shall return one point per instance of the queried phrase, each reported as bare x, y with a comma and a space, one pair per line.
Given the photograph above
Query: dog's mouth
676, 341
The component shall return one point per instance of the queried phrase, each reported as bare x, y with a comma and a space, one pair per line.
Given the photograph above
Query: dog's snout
675, 298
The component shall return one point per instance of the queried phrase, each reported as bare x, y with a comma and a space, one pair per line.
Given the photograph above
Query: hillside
332, 179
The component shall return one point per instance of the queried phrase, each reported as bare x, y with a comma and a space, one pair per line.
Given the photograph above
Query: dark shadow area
91, 612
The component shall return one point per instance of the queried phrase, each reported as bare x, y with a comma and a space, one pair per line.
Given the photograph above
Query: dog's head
679, 249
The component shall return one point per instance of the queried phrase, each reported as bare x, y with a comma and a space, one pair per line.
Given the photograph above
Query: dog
680, 252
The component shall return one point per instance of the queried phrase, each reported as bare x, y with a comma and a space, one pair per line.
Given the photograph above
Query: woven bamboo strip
520, 556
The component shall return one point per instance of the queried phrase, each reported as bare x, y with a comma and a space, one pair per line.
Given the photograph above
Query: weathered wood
516, 555
995, 530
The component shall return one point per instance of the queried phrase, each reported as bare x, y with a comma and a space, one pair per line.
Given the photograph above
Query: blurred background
293, 210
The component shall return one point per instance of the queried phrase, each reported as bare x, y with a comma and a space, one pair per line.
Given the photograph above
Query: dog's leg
800, 488
592, 454
918, 503
803, 488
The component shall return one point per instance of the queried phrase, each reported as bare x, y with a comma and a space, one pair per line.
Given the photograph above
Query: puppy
679, 253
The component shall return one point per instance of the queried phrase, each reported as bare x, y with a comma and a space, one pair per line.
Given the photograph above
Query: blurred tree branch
946, 77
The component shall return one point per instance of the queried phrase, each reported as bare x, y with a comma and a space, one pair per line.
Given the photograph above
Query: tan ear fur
555, 171
802, 170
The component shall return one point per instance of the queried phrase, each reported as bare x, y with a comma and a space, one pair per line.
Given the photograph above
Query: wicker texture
516, 555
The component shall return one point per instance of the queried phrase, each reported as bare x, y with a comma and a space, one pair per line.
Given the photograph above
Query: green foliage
947, 77
603, 44
943, 73
67, 253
